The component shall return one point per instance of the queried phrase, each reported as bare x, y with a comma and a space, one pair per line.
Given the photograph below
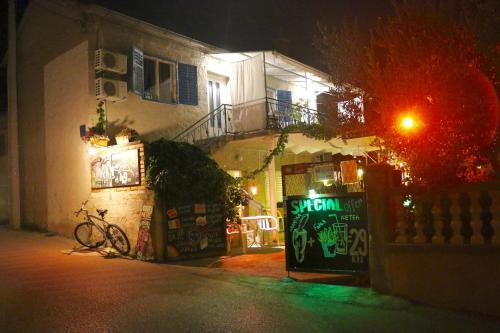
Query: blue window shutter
136, 71
284, 101
188, 84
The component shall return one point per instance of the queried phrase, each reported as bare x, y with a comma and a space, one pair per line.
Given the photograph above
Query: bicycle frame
102, 226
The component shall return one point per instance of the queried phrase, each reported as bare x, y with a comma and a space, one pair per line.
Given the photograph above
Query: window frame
174, 78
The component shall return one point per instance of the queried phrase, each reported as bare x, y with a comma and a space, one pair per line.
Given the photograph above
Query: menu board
143, 248
197, 230
326, 233
115, 169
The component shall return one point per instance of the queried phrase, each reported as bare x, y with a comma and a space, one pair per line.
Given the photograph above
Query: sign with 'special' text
327, 233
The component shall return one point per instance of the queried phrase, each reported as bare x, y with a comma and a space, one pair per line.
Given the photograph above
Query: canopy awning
285, 69
298, 143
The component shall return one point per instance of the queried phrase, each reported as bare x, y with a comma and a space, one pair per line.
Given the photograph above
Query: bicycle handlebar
82, 209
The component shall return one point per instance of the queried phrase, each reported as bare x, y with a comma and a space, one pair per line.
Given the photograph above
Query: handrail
220, 115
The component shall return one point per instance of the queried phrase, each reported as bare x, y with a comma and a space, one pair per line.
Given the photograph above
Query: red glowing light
408, 122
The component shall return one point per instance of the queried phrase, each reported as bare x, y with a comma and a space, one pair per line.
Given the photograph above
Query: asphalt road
43, 289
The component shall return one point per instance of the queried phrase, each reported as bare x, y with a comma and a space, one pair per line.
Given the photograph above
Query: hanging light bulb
253, 189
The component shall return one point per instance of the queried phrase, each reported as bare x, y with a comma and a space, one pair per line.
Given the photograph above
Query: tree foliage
181, 173
436, 61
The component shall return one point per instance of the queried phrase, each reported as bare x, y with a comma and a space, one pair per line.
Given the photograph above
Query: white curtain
247, 86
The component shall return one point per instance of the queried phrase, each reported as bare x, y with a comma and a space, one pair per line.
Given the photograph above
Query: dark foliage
435, 61
181, 173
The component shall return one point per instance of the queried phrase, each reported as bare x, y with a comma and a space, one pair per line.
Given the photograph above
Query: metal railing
219, 122
282, 114
214, 124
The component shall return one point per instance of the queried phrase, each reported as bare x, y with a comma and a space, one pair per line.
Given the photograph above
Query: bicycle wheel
118, 239
88, 235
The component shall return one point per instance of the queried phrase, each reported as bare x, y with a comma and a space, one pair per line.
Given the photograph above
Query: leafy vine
313, 131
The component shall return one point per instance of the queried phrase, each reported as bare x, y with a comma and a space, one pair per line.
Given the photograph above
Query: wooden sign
143, 248
115, 169
327, 233
349, 171
196, 230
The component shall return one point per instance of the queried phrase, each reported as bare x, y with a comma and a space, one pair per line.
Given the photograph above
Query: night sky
244, 25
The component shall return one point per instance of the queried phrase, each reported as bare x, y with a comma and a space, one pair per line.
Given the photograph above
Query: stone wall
417, 262
124, 204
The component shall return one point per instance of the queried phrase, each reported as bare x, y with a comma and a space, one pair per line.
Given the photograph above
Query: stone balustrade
466, 215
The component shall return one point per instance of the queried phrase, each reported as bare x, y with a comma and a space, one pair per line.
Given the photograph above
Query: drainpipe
13, 155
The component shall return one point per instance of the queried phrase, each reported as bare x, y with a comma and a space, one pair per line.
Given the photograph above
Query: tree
427, 63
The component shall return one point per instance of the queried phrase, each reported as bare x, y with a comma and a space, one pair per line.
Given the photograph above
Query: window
214, 102
159, 80
162, 80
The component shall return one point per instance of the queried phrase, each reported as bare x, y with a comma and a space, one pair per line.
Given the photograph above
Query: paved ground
268, 262
44, 290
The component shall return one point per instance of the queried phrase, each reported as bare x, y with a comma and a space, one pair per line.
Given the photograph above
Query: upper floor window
159, 80
162, 80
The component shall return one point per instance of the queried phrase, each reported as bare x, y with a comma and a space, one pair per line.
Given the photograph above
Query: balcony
246, 118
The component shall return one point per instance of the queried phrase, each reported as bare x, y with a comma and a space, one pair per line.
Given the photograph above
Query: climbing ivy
181, 173
314, 131
278, 150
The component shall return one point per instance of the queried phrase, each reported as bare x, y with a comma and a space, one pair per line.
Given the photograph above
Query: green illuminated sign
327, 233
315, 205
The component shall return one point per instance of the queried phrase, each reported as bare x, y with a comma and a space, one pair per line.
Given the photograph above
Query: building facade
72, 56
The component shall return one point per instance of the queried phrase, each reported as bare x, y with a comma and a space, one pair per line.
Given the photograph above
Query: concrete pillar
272, 181
13, 154
378, 183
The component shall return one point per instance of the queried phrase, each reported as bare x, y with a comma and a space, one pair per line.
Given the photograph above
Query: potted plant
126, 135
96, 135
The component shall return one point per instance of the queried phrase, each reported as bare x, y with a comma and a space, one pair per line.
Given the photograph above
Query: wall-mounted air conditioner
110, 90
110, 61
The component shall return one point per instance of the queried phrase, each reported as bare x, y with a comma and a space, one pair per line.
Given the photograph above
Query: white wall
66, 108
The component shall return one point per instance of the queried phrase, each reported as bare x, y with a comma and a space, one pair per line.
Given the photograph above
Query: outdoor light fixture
253, 189
312, 194
408, 122
360, 173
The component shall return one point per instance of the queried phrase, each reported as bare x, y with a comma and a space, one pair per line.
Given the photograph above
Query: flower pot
121, 140
99, 141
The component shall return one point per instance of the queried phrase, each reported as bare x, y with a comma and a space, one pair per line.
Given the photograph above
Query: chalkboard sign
326, 233
115, 169
196, 230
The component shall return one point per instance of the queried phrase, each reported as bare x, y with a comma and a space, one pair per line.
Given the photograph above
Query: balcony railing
266, 113
455, 216
282, 114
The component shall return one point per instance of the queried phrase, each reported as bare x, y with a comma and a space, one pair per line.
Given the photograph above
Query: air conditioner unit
110, 90
110, 61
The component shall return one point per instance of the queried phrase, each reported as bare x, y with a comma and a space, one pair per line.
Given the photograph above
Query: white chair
265, 223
